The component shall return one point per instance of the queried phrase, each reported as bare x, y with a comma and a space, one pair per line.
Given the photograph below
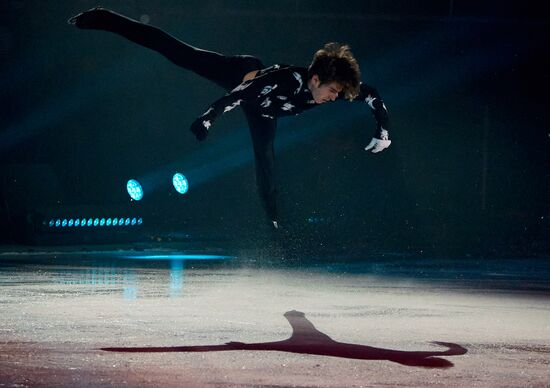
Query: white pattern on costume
287, 106
383, 134
268, 117
370, 100
265, 103
299, 79
232, 106
206, 124
242, 86
208, 111
284, 98
268, 89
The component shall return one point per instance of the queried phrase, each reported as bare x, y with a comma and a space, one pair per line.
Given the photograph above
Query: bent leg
262, 131
225, 71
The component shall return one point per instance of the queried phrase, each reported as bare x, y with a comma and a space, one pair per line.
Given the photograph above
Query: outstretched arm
371, 97
247, 91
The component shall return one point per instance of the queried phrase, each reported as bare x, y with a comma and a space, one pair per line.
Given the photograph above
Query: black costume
279, 90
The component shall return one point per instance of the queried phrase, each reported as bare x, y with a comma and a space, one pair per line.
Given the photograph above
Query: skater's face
323, 92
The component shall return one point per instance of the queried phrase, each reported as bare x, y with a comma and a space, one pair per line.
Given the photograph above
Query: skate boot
94, 19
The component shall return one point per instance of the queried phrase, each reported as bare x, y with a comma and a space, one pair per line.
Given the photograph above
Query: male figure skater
264, 93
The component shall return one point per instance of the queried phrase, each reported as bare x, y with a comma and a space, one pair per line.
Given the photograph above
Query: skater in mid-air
264, 93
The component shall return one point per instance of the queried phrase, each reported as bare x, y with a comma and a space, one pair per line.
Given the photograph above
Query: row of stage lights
88, 222
135, 190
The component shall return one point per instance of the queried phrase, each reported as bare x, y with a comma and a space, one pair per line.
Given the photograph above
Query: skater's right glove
377, 145
200, 128
380, 141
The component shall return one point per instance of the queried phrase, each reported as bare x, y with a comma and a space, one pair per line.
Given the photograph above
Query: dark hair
335, 63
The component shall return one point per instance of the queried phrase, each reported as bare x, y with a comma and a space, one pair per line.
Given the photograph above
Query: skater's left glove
377, 145
200, 128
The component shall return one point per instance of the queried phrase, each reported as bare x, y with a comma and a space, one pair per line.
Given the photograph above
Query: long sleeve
259, 89
371, 97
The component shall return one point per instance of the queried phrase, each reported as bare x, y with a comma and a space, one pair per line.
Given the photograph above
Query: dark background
465, 82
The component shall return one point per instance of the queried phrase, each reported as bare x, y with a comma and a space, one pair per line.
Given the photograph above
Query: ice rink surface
106, 319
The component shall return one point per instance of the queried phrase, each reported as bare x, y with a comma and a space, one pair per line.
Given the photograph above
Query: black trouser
225, 71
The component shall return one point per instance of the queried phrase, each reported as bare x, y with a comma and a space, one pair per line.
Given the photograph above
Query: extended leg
226, 71
262, 131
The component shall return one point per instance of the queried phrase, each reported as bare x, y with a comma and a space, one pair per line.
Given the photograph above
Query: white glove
377, 145
275, 224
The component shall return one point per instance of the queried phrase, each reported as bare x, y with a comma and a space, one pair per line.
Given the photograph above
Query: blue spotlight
134, 221
134, 189
51, 223
120, 221
71, 222
96, 222
102, 222
180, 183
140, 221
127, 222
115, 221
83, 222
108, 222
77, 222
57, 223
90, 222
64, 223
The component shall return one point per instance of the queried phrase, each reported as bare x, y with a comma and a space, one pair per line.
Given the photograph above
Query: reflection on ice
121, 273
176, 277
179, 257
130, 285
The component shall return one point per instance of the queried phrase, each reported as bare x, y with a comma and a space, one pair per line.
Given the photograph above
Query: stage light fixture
95, 222
134, 189
180, 183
